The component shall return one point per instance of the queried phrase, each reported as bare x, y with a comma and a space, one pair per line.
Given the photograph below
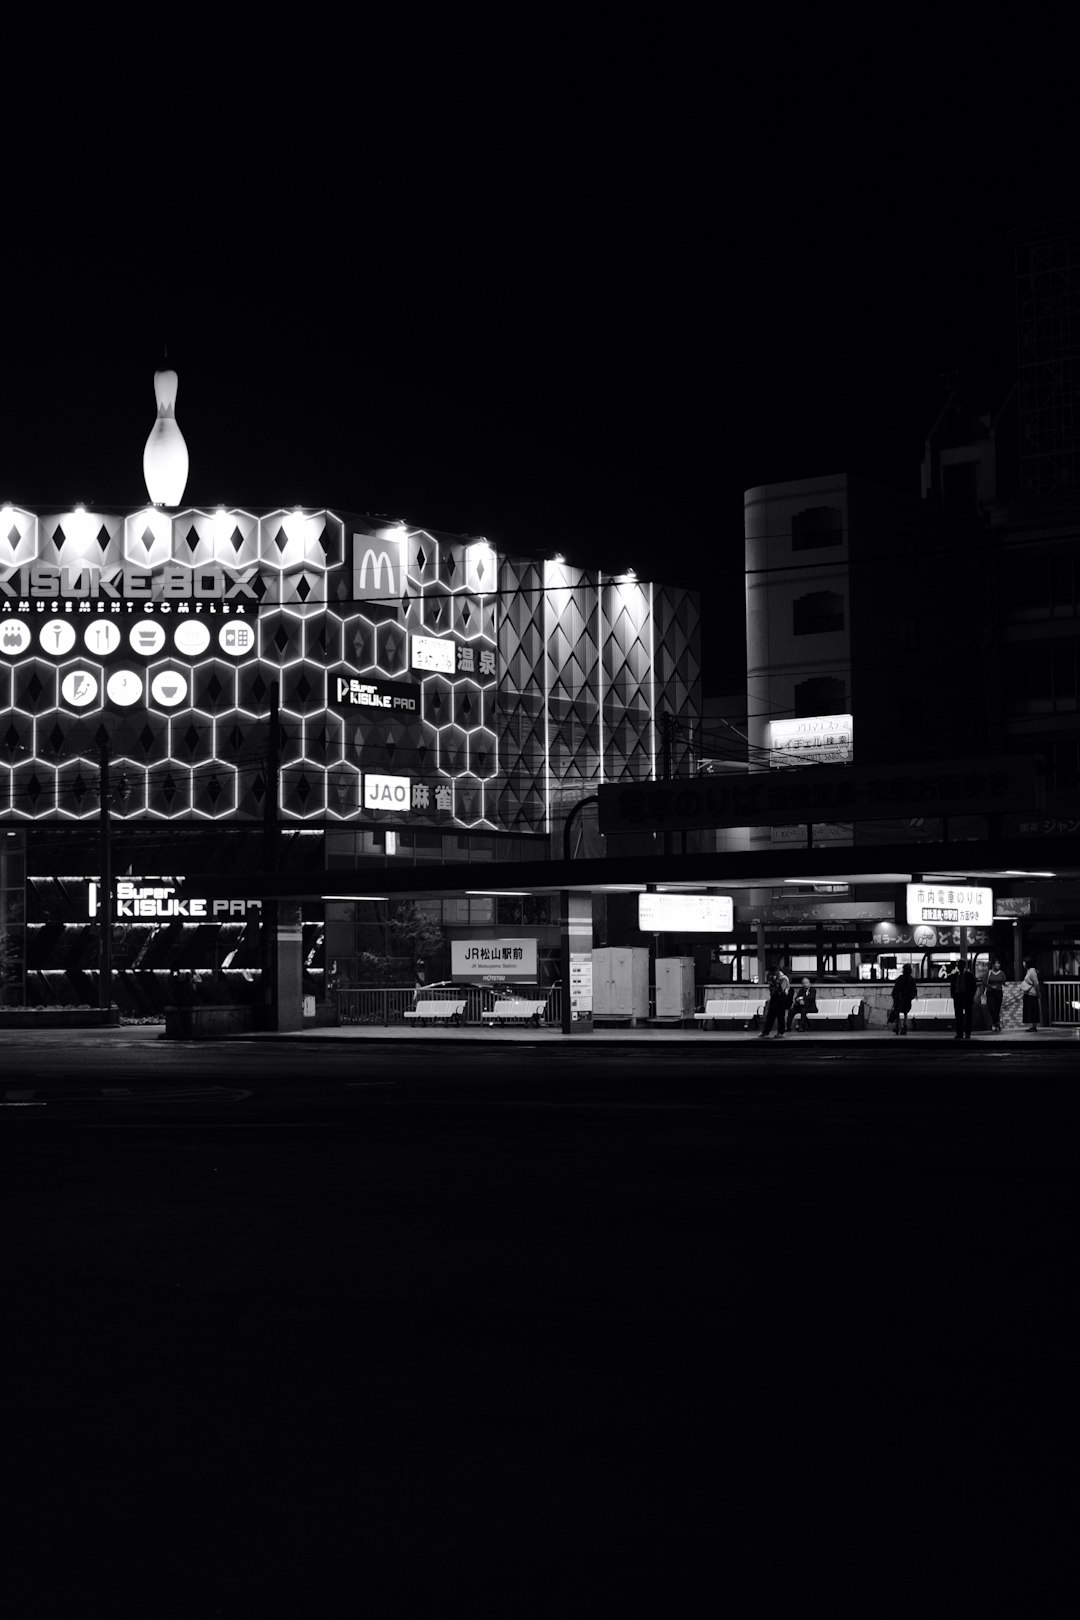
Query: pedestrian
804, 1001
995, 981
962, 984
904, 991
1029, 985
776, 1013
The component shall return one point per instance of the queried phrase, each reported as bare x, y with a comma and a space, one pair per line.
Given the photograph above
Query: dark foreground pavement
527, 1330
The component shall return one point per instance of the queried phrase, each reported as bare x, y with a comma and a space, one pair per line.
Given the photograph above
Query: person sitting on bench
803, 1002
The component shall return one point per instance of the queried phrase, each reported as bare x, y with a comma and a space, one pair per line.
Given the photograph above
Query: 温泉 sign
685, 913
391, 697
446, 655
959, 903
819, 739
493, 959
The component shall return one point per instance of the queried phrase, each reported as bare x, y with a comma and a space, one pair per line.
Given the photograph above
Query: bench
932, 1007
744, 1011
515, 1009
437, 1012
826, 1007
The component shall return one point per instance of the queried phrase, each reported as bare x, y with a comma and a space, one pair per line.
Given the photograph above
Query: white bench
933, 1008
744, 1011
839, 1007
828, 1007
515, 1009
437, 1012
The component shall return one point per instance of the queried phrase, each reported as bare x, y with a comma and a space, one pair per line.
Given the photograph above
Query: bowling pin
165, 459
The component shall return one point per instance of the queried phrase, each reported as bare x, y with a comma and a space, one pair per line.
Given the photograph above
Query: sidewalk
653, 1036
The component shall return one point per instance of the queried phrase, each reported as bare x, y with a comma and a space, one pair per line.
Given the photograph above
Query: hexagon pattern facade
556, 677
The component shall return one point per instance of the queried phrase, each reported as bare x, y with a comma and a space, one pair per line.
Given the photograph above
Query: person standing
904, 991
779, 985
995, 989
962, 983
1029, 986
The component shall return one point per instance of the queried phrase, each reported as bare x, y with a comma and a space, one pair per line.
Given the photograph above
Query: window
817, 612
960, 485
822, 695
1041, 677
816, 526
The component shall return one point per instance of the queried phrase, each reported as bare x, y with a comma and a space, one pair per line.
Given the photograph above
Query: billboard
494, 960
685, 913
820, 739
962, 904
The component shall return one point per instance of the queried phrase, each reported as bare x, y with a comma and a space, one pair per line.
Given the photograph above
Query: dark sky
588, 336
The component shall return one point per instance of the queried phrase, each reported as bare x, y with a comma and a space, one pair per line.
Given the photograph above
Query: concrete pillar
289, 982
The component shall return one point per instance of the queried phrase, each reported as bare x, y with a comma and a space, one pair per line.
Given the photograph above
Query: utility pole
105, 902
268, 927
667, 725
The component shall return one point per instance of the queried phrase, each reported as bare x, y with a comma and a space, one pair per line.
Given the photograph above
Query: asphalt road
292, 1327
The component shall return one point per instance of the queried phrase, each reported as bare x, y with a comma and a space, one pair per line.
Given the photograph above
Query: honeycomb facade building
360, 691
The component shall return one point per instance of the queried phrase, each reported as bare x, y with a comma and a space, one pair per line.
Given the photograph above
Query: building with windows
928, 639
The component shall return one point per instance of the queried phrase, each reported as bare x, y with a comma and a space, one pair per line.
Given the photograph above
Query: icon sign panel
147, 638
169, 688
102, 636
57, 637
79, 688
124, 688
14, 638
236, 639
192, 637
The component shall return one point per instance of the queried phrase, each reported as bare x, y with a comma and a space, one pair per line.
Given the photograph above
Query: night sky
589, 344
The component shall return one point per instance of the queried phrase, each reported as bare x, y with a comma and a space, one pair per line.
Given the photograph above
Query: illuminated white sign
446, 655
386, 792
161, 901
816, 739
79, 689
42, 581
356, 693
432, 652
960, 903
685, 913
170, 689
124, 688
377, 566
494, 959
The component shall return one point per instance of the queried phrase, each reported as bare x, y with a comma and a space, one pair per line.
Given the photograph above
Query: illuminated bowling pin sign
165, 459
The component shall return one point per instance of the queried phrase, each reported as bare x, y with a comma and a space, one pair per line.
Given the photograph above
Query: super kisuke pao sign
493, 959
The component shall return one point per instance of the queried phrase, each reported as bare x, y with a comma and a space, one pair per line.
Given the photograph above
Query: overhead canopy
1010, 865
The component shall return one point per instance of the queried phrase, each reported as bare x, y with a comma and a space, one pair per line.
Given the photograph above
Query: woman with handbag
995, 981
1029, 984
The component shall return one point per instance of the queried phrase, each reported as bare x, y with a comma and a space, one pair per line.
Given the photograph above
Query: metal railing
388, 1004
1063, 1002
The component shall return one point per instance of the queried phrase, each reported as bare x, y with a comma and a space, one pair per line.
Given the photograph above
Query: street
546, 1329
